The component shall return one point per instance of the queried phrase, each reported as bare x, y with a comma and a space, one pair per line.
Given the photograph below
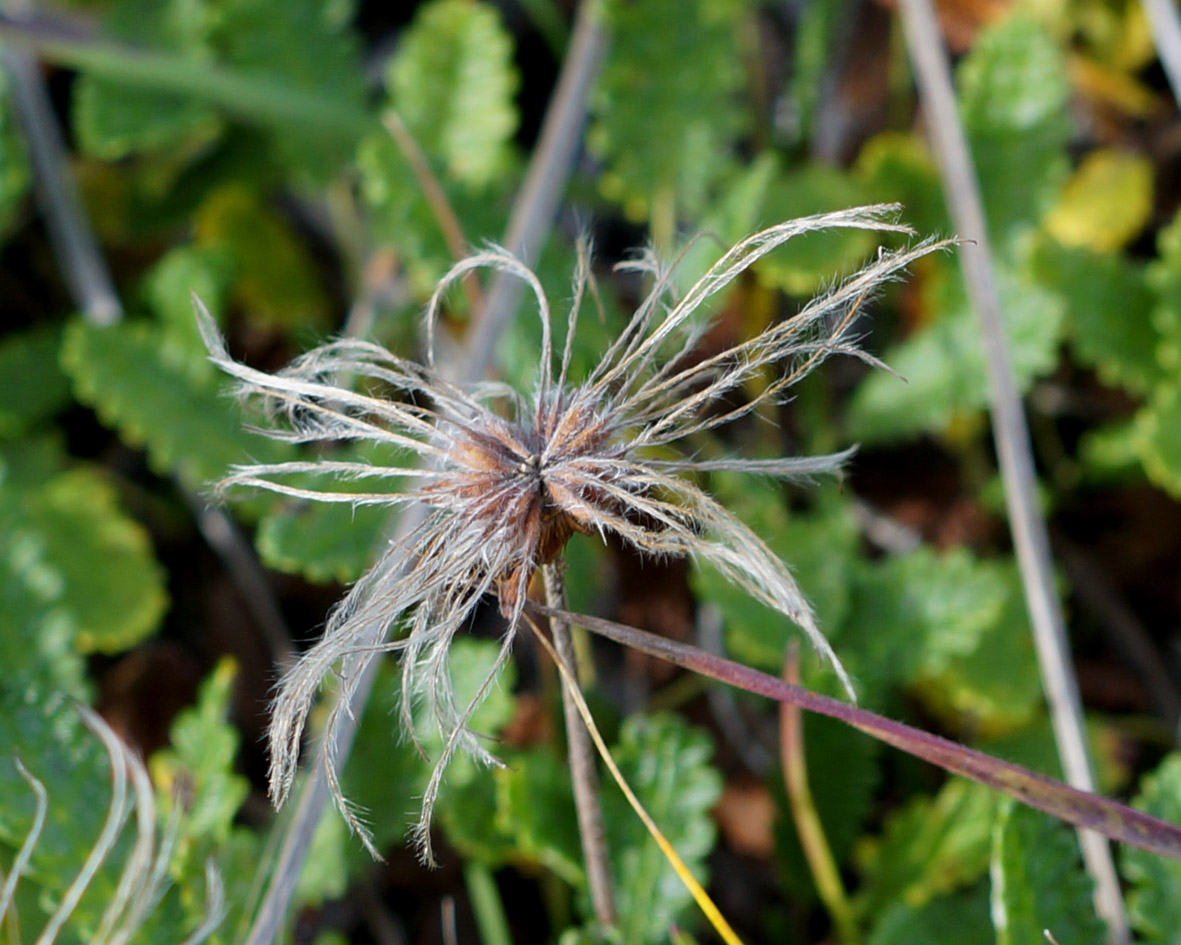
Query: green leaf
14, 164
818, 547
1164, 277
186, 424
1106, 202
198, 771
961, 917
403, 218
47, 734
275, 279
943, 363
323, 542
929, 848
282, 65
97, 566
918, 615
1014, 92
1109, 312
112, 120
896, 167
843, 775
667, 765
35, 388
807, 263
996, 684
452, 82
207, 272
305, 47
1038, 883
666, 111
1157, 443
200, 759
1154, 908
36, 635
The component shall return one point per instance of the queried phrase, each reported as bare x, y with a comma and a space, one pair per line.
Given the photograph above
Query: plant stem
263, 101
487, 906
803, 810
1090, 811
71, 236
581, 757
1011, 433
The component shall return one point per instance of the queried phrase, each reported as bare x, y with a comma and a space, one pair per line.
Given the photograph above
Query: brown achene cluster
504, 477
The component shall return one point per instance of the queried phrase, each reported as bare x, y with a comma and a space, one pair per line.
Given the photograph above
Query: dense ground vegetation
236, 149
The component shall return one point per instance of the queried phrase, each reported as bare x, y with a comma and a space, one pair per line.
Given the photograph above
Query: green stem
487, 905
803, 811
260, 100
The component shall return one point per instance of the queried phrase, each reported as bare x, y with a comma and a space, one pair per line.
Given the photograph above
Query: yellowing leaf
1105, 203
276, 279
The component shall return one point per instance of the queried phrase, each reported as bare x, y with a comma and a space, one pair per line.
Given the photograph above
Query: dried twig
1011, 434
581, 758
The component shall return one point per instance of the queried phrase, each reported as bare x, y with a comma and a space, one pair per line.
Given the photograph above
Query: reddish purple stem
1090, 811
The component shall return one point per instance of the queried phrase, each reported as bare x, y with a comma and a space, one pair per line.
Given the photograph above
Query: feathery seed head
496, 491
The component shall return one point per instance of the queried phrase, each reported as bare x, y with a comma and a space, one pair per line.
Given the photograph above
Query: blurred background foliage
236, 149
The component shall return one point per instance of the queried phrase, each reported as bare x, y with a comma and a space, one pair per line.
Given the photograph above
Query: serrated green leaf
914, 615
187, 425
323, 542
403, 218
200, 757
818, 547
665, 112
1109, 312
112, 120
1164, 277
300, 46
197, 771
1038, 883
929, 848
667, 765
1014, 91
208, 273
98, 569
452, 82
943, 363
894, 167
996, 683
1154, 906
809, 262
36, 636
34, 387
1157, 442
280, 65
961, 917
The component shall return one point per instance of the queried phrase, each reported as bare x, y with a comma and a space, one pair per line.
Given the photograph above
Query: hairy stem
581, 756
